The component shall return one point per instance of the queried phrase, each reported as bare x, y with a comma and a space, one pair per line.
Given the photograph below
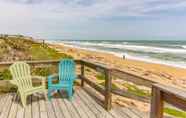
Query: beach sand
156, 72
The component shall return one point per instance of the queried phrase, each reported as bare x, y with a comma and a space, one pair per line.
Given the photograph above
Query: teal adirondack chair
66, 77
22, 78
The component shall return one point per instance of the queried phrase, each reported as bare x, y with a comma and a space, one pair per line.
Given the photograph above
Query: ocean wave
141, 58
127, 46
180, 64
183, 46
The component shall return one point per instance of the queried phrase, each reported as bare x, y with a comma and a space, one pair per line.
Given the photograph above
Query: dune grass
135, 90
100, 76
130, 87
113, 85
45, 53
174, 112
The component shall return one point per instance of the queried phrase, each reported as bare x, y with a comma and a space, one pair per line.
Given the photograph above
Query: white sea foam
183, 46
131, 47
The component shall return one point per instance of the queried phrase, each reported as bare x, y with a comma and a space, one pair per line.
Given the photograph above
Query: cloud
64, 16
86, 9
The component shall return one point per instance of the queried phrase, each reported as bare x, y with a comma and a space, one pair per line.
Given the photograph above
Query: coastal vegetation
175, 112
131, 88
18, 47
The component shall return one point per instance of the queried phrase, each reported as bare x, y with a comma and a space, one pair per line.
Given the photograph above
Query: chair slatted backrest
21, 74
66, 70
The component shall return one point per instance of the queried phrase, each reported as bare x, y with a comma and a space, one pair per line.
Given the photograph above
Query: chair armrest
43, 79
51, 77
13, 82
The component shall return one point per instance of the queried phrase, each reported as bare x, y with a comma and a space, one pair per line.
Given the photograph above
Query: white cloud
43, 16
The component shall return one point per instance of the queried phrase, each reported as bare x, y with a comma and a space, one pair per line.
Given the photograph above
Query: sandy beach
157, 72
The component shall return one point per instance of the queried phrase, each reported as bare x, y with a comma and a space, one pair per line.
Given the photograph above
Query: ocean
171, 53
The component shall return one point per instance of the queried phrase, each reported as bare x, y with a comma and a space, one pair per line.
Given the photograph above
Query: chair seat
59, 85
34, 89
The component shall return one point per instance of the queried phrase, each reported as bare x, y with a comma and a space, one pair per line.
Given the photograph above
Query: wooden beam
125, 93
172, 95
95, 65
156, 103
82, 74
132, 78
35, 62
108, 88
93, 85
164, 93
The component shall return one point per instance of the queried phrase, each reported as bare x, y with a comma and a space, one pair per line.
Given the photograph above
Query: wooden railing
159, 93
135, 79
164, 93
109, 73
106, 90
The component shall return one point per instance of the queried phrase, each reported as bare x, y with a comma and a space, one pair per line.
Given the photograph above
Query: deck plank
89, 104
78, 107
3, 102
57, 108
140, 113
50, 109
74, 113
7, 106
117, 111
82, 105
63, 108
42, 106
35, 106
13, 109
28, 108
20, 109
104, 113
115, 114
129, 112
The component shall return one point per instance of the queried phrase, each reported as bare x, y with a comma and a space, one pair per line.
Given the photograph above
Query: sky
95, 19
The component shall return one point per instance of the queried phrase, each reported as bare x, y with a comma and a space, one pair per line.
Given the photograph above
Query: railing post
82, 73
156, 103
108, 87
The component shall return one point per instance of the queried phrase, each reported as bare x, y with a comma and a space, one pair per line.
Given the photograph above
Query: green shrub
135, 90
100, 76
42, 71
5, 75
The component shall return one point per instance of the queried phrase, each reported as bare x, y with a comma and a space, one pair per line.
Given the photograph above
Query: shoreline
129, 57
161, 73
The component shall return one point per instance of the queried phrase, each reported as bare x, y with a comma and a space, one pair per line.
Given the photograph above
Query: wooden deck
81, 106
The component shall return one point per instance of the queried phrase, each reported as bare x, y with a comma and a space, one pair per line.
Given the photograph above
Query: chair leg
70, 93
45, 94
49, 94
23, 100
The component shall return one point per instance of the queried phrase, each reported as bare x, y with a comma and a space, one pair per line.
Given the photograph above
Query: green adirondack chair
22, 78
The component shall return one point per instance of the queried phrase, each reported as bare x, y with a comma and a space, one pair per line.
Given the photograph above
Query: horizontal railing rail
132, 78
35, 62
